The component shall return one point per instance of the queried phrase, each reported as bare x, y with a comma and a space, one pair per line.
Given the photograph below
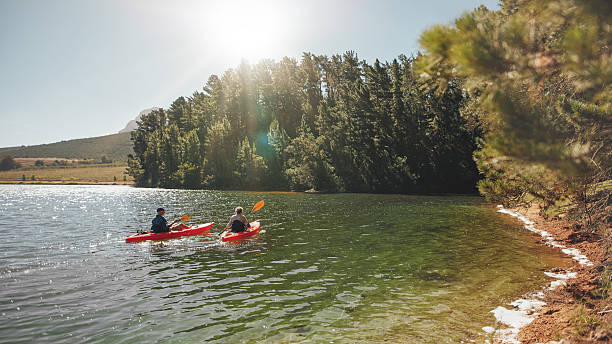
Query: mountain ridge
132, 125
113, 146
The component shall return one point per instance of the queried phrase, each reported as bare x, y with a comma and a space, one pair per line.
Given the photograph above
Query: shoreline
60, 182
272, 191
550, 313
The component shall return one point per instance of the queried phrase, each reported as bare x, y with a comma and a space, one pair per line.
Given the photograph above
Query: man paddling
238, 222
160, 225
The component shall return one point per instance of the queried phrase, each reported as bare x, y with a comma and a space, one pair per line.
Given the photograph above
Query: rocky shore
575, 307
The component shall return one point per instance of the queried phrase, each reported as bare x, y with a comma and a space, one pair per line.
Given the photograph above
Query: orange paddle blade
185, 218
258, 205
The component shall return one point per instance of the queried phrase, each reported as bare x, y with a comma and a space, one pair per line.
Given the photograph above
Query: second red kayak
229, 236
187, 231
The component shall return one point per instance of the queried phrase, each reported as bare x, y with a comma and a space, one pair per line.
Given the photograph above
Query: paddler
238, 222
160, 225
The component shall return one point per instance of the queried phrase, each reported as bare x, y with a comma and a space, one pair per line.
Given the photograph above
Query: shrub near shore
539, 75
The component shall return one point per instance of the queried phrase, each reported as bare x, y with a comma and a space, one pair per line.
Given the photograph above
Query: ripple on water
319, 272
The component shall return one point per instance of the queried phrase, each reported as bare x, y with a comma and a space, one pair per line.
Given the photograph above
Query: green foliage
583, 321
275, 156
8, 163
604, 285
324, 123
538, 74
59, 163
249, 167
189, 175
309, 167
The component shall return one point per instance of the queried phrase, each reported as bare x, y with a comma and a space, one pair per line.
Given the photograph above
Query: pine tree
541, 74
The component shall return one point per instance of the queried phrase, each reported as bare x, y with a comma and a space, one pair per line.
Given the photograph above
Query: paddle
256, 207
183, 218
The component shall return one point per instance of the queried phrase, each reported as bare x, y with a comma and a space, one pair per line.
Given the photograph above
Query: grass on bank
583, 320
77, 175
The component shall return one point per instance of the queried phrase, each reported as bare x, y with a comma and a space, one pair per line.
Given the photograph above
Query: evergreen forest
333, 124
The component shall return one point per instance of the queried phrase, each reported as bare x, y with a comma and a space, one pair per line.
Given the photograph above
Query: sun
248, 29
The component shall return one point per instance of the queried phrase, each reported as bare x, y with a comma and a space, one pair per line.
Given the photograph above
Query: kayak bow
187, 231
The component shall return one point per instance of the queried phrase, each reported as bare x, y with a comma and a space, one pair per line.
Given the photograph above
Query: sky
74, 69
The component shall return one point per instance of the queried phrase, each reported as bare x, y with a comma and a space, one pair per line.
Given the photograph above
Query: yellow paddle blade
185, 218
258, 205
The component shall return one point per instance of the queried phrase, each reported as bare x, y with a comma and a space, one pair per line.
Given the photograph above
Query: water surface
345, 268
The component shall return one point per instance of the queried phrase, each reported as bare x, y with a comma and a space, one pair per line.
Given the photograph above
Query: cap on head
238, 210
160, 209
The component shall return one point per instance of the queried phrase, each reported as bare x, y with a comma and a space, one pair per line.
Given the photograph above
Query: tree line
335, 124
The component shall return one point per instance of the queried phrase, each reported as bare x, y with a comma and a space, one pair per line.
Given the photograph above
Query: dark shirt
238, 226
160, 224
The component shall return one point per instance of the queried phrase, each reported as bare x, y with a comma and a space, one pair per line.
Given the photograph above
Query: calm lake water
344, 268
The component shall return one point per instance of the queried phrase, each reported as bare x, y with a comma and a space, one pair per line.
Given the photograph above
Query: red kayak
185, 231
229, 236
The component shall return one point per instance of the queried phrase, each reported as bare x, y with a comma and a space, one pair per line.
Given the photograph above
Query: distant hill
115, 147
132, 124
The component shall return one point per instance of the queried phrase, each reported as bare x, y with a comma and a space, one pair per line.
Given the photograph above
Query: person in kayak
160, 225
238, 222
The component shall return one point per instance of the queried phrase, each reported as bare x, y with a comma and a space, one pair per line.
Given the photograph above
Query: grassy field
76, 175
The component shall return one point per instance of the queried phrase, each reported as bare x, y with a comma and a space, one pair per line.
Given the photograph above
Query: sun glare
248, 29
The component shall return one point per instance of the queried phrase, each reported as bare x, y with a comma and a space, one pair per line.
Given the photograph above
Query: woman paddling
238, 222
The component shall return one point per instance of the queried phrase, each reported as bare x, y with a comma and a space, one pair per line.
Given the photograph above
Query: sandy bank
572, 308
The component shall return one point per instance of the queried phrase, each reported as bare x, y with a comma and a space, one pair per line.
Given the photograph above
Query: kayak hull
229, 236
188, 231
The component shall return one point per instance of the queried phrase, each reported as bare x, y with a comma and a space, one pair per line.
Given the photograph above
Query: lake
342, 268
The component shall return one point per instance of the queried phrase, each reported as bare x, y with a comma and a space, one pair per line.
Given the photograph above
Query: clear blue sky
73, 68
